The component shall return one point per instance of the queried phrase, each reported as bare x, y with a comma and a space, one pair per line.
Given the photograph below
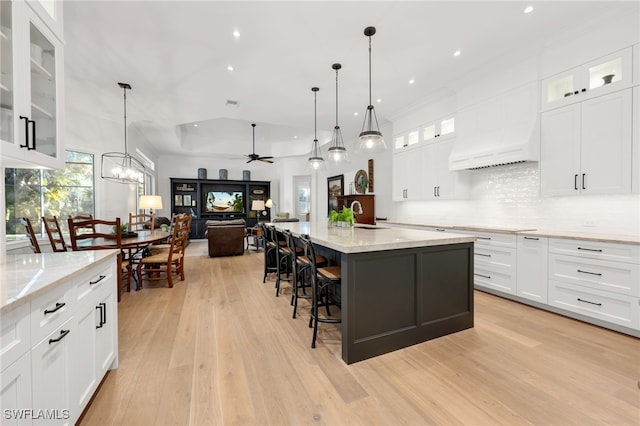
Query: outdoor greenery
34, 193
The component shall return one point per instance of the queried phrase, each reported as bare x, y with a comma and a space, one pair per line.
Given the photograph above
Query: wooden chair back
28, 228
81, 218
141, 222
54, 233
110, 240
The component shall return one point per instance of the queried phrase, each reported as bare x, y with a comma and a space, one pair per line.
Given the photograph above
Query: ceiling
175, 55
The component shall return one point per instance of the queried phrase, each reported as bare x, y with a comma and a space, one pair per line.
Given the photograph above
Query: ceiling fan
253, 156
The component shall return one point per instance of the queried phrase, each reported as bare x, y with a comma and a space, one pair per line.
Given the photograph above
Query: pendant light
315, 162
370, 138
120, 166
337, 150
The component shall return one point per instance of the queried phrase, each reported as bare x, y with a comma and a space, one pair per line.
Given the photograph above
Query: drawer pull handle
484, 238
532, 238
588, 249
63, 333
482, 254
440, 230
590, 273
57, 308
102, 277
483, 276
591, 303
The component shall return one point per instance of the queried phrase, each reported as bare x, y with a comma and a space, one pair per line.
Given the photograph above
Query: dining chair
101, 241
167, 263
325, 283
54, 233
141, 222
33, 239
82, 218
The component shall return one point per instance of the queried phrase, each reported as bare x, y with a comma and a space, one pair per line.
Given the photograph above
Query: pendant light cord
315, 117
125, 120
336, 98
370, 71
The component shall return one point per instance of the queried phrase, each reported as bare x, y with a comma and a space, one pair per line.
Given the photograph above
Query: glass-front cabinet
32, 95
595, 78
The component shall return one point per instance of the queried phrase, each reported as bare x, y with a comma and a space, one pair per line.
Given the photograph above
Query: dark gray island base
399, 287
397, 298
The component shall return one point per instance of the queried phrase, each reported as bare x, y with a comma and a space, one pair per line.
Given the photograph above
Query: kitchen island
399, 286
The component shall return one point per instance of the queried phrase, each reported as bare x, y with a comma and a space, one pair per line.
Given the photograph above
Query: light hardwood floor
220, 349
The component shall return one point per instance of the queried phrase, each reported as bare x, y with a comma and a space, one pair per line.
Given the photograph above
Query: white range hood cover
501, 130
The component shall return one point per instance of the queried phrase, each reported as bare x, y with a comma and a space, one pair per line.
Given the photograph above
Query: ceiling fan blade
252, 159
266, 157
266, 160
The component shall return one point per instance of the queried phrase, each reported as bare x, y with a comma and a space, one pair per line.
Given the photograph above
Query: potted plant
343, 219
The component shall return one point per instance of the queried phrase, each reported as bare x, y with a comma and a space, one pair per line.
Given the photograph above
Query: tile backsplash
509, 196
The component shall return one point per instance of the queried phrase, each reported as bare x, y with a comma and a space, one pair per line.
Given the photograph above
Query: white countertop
624, 239
25, 276
370, 238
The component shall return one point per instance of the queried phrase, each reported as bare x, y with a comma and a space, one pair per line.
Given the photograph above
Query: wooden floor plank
220, 349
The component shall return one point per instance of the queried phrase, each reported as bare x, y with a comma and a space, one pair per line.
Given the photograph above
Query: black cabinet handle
575, 182
99, 307
483, 276
57, 308
33, 136
438, 190
434, 191
584, 89
588, 249
583, 181
576, 92
440, 230
482, 254
591, 303
100, 278
63, 333
484, 238
26, 132
590, 273
531, 238
104, 309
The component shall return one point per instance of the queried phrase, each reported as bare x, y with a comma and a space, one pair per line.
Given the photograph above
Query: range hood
502, 130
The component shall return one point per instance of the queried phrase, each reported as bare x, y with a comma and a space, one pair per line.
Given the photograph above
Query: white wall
510, 195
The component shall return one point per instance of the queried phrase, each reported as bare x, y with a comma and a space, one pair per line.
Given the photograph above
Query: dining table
137, 242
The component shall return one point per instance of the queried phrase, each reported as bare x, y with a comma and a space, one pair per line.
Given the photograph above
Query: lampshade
315, 161
150, 202
337, 151
257, 205
371, 139
269, 204
121, 167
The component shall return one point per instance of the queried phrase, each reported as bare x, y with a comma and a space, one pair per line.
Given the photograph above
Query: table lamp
258, 205
150, 202
270, 204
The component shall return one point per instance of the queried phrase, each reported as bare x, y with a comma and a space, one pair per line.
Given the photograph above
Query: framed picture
178, 200
335, 187
186, 200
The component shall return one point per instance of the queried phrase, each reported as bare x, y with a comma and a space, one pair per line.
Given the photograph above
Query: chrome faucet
359, 211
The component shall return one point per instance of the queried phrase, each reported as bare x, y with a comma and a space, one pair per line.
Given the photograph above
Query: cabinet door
15, 391
560, 89
50, 369
451, 184
107, 333
415, 174
83, 380
400, 176
430, 168
606, 144
560, 151
8, 95
532, 268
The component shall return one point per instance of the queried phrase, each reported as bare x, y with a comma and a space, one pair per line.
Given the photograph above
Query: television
224, 202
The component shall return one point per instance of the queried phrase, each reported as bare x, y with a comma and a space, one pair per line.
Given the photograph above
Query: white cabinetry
495, 261
596, 280
439, 182
598, 77
15, 390
32, 89
532, 252
586, 147
407, 179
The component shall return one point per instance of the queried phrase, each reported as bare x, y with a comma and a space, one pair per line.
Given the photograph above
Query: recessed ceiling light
230, 68
412, 81
528, 9
236, 33
195, 125
295, 136
378, 100
457, 53
355, 113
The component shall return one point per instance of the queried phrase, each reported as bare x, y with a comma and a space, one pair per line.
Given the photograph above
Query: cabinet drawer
497, 256
617, 277
491, 239
50, 310
596, 250
94, 280
500, 279
611, 307
14, 337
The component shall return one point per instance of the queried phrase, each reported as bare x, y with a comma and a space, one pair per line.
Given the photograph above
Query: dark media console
208, 199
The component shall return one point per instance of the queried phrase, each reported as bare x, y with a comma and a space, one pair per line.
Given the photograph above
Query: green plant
346, 215
363, 184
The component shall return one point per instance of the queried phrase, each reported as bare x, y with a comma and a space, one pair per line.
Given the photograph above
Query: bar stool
323, 285
284, 259
270, 247
302, 280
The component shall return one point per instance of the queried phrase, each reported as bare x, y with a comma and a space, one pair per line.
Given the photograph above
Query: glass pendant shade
337, 151
370, 137
121, 167
315, 162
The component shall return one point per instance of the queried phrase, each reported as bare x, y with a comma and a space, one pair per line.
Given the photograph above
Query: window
34, 193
